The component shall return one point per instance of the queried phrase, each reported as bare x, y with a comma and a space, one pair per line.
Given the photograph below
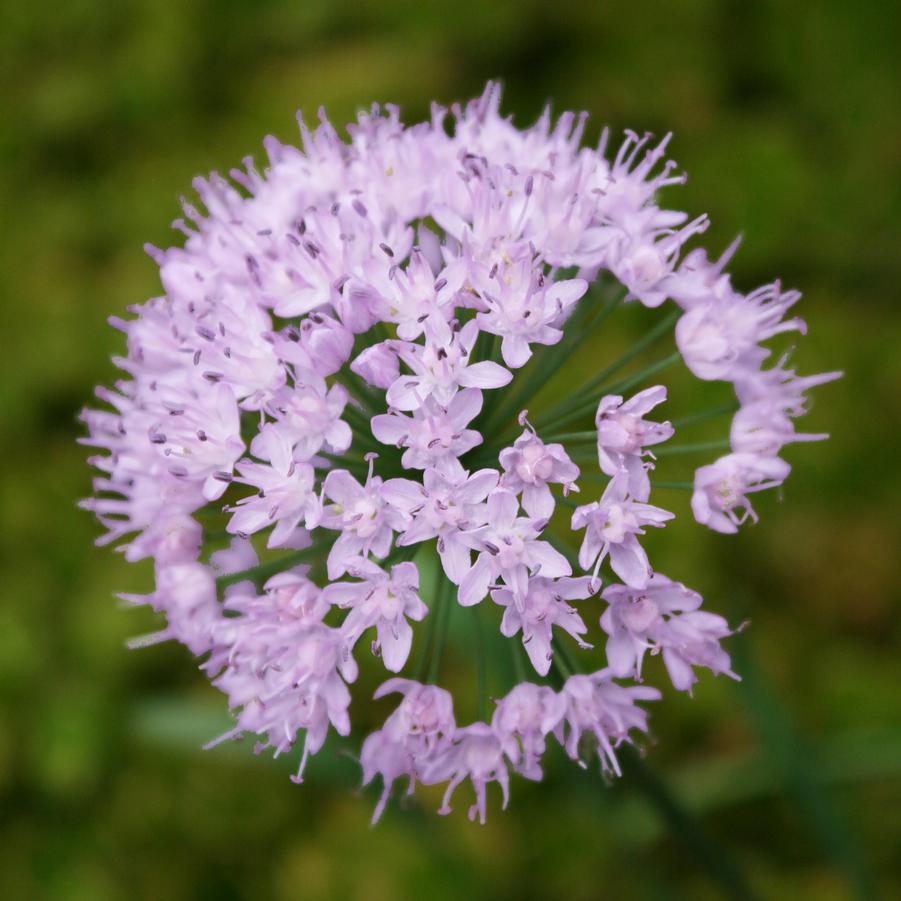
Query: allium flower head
320, 438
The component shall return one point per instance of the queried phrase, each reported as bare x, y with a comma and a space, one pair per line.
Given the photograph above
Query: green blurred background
787, 119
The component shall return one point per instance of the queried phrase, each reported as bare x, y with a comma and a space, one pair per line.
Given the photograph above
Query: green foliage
785, 117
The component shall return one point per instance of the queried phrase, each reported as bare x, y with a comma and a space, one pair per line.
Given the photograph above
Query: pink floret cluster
320, 377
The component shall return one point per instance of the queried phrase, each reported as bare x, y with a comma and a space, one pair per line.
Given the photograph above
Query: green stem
628, 383
431, 623
684, 421
546, 362
563, 660
362, 393
686, 829
443, 603
263, 571
585, 406
560, 666
667, 450
361, 425
600, 378
488, 453
573, 437
519, 669
481, 677
346, 460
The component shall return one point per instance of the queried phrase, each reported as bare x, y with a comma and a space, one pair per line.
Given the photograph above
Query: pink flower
720, 339
523, 719
285, 498
291, 596
543, 606
285, 676
508, 548
440, 368
780, 386
763, 429
366, 521
611, 526
443, 507
307, 417
413, 735
697, 280
199, 435
598, 706
664, 616
647, 256
720, 495
623, 435
377, 364
383, 601
409, 297
237, 557
186, 593
172, 538
319, 344
524, 309
771, 399
530, 465
476, 753
435, 436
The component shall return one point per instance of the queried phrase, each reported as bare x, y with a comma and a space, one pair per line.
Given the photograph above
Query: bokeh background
787, 119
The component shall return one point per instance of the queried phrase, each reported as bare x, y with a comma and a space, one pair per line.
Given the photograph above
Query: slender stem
628, 383
656, 483
479, 644
684, 421
362, 393
560, 665
584, 405
431, 624
546, 362
361, 425
572, 437
667, 450
443, 603
600, 378
569, 666
685, 828
263, 571
519, 669
612, 303
346, 460
357, 468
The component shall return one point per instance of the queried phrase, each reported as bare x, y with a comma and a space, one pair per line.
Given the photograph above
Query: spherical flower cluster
320, 437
